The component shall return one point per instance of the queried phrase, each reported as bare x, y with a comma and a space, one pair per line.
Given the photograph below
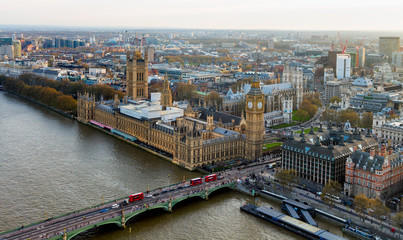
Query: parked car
115, 206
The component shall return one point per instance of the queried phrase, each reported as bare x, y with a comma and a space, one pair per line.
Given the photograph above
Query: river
52, 165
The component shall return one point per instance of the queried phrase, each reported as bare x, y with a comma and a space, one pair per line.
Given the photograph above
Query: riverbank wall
99, 129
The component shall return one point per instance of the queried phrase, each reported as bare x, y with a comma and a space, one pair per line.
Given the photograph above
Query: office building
343, 66
321, 156
397, 59
6, 41
17, 49
328, 74
7, 52
332, 89
387, 129
377, 174
388, 45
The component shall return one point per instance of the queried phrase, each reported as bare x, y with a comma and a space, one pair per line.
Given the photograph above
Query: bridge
68, 226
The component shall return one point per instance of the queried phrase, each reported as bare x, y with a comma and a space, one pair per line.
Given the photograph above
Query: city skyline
260, 15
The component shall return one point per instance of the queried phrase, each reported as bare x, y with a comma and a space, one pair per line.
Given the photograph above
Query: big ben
255, 103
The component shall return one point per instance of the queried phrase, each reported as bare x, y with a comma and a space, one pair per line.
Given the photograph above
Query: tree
314, 98
185, 91
213, 98
332, 188
329, 115
377, 208
361, 203
366, 121
398, 218
335, 99
286, 178
392, 116
350, 115
307, 106
300, 115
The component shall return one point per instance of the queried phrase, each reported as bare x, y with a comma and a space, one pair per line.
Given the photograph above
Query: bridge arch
130, 216
71, 235
211, 190
181, 199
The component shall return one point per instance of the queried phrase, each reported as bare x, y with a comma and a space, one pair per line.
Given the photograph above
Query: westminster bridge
69, 225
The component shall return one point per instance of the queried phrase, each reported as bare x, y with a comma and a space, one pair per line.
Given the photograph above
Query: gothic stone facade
191, 142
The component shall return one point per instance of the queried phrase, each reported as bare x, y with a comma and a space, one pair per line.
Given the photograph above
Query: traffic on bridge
119, 212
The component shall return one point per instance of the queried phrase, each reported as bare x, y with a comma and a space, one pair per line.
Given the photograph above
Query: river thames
52, 165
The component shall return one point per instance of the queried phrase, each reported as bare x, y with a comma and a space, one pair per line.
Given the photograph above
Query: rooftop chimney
302, 132
331, 144
341, 143
390, 150
311, 132
372, 152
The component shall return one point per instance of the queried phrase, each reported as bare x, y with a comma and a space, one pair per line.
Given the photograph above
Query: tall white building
270, 44
361, 57
343, 66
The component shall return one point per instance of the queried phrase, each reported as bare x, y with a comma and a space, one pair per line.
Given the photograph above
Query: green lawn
307, 130
284, 125
270, 146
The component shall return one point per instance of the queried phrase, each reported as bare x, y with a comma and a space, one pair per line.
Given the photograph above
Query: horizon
360, 15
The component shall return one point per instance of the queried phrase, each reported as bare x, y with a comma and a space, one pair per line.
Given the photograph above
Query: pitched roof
219, 116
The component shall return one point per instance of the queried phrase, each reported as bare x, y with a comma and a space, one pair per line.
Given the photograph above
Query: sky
350, 15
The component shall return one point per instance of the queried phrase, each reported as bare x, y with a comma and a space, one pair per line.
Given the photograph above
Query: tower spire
166, 100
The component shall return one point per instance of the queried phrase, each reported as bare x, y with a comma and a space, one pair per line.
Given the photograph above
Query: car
319, 193
104, 210
186, 185
383, 217
124, 203
297, 200
115, 206
148, 196
164, 191
220, 177
155, 194
180, 187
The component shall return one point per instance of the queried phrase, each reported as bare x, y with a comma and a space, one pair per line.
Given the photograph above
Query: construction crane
358, 52
343, 48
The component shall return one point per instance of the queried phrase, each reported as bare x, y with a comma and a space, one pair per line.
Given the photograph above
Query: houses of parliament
191, 137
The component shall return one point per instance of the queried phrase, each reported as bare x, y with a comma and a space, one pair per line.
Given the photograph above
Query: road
57, 226
337, 209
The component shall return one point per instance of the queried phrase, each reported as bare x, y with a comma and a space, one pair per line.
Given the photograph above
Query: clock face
259, 105
250, 104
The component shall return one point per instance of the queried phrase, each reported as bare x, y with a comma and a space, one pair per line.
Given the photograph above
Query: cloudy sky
364, 15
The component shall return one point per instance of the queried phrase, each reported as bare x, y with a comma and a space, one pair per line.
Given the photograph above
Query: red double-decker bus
195, 181
210, 178
136, 197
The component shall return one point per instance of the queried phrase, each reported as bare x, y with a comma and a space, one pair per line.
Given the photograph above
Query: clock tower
255, 103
